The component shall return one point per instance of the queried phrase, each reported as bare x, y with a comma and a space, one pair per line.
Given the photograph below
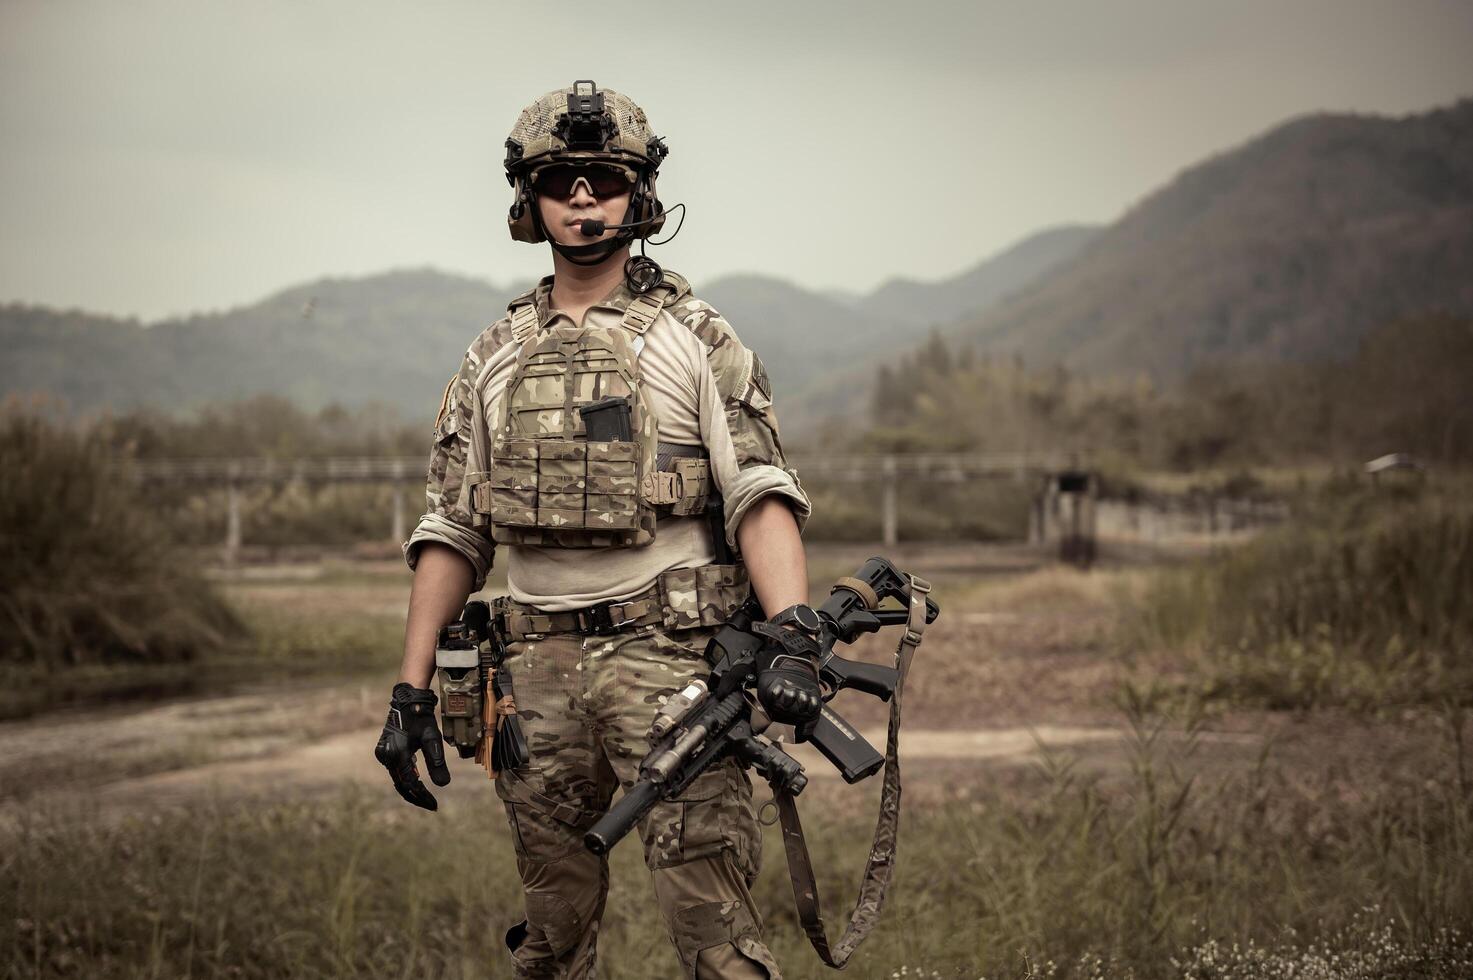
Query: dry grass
1365, 604
1176, 867
88, 574
1053, 588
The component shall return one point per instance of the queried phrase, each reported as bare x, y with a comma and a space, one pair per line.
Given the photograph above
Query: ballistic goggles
604, 180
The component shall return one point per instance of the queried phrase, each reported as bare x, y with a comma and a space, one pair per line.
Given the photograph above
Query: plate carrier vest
549, 484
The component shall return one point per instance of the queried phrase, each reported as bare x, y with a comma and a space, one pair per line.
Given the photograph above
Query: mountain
1289, 248
806, 338
797, 333
941, 303
395, 338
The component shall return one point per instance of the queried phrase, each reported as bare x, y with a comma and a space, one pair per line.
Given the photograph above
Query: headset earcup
650, 208
520, 218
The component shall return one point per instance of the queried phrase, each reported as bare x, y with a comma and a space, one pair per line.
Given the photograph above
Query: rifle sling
881, 864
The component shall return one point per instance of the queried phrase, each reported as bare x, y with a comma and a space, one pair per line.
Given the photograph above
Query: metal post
1036, 506
398, 531
232, 522
889, 518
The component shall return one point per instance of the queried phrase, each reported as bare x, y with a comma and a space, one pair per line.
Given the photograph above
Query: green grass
1172, 870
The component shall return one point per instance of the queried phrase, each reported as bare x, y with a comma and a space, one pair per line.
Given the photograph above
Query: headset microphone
592, 227
641, 272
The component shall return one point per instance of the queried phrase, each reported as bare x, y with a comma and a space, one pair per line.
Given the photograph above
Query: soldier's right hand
787, 674
412, 727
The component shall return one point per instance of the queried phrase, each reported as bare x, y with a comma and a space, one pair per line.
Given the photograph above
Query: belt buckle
599, 619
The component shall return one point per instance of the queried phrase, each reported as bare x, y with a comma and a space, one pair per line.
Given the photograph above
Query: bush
1364, 604
984, 510
290, 514
87, 572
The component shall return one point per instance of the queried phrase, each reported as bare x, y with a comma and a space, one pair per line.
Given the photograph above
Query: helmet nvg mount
583, 124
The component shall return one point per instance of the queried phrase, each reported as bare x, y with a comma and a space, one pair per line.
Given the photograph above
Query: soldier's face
561, 216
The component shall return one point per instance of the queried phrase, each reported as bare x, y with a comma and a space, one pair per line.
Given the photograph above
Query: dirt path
331, 762
1018, 661
348, 759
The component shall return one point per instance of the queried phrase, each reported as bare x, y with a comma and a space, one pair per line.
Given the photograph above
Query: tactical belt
881, 864
528, 622
684, 598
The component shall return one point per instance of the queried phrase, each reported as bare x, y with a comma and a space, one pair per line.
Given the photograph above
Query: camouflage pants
585, 705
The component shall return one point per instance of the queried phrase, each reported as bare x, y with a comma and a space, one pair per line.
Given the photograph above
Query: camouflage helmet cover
610, 128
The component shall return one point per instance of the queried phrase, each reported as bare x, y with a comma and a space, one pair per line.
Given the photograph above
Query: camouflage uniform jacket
704, 386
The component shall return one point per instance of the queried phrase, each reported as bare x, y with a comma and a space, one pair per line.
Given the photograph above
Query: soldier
616, 437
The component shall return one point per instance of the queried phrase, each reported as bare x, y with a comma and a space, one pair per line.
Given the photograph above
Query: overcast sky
162, 157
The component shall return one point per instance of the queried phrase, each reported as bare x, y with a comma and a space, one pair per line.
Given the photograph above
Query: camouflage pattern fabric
586, 704
746, 395
536, 130
742, 382
455, 492
704, 596
547, 484
448, 517
539, 138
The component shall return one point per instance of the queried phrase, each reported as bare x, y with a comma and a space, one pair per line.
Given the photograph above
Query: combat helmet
584, 124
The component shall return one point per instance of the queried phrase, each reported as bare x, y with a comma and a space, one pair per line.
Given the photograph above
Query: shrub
88, 573
1364, 602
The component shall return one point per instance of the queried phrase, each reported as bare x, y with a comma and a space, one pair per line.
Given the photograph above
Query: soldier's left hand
412, 727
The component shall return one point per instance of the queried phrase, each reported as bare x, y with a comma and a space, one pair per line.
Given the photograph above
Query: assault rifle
719, 717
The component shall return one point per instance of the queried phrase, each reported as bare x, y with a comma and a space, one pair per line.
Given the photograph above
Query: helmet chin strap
594, 252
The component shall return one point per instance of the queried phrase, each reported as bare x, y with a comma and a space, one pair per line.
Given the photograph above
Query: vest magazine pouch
613, 485
574, 438
561, 471
702, 596
509, 494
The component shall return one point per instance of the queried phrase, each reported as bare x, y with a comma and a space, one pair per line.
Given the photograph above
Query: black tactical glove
787, 668
411, 727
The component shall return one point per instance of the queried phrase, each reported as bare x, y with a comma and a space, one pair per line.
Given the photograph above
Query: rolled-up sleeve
448, 518
739, 423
